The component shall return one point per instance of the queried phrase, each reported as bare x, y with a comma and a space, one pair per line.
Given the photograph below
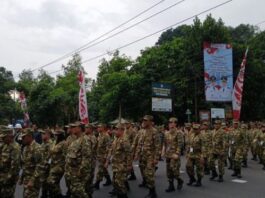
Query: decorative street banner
218, 72
238, 89
83, 112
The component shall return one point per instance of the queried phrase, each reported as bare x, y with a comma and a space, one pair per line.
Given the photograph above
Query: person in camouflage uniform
9, 163
104, 142
246, 146
45, 167
195, 157
253, 133
130, 134
79, 161
258, 141
119, 156
188, 133
232, 148
206, 134
218, 151
226, 130
57, 163
262, 144
240, 140
31, 159
92, 138
148, 152
172, 151
70, 138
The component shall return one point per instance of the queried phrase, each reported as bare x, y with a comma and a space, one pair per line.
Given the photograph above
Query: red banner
238, 89
83, 112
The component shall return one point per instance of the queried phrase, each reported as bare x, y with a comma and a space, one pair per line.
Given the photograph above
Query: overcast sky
35, 32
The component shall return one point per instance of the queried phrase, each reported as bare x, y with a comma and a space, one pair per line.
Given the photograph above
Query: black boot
214, 175
108, 181
180, 184
113, 192
220, 179
171, 187
239, 174
235, 173
132, 176
263, 167
245, 164
192, 180
96, 185
152, 193
199, 182
127, 185
143, 184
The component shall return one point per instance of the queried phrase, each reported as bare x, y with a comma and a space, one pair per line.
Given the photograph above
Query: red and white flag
83, 112
238, 89
23, 104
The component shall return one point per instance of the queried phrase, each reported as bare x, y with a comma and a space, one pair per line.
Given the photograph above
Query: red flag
23, 104
238, 89
83, 112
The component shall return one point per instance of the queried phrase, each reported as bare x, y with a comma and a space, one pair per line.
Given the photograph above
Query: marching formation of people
81, 154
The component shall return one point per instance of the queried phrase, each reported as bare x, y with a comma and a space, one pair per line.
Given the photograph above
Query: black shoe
96, 185
263, 168
152, 193
192, 180
170, 188
180, 184
113, 192
199, 182
239, 174
220, 179
132, 177
143, 184
127, 185
234, 174
214, 175
108, 181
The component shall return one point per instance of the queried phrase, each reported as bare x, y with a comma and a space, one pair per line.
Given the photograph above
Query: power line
258, 24
123, 30
99, 37
149, 35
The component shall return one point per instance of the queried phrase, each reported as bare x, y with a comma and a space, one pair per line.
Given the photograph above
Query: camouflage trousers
119, 179
173, 167
78, 187
192, 164
148, 171
239, 156
89, 184
220, 160
32, 192
102, 171
7, 190
53, 181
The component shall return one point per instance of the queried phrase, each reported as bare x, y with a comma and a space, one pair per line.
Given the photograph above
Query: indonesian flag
83, 112
238, 89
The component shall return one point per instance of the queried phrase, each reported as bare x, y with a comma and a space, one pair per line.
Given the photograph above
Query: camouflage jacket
195, 147
172, 143
104, 143
219, 142
31, 163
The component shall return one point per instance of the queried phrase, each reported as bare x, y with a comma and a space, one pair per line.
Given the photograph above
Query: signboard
162, 104
217, 113
204, 116
218, 72
161, 89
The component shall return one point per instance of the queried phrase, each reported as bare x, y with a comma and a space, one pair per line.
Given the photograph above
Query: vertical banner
238, 89
218, 72
83, 112
23, 105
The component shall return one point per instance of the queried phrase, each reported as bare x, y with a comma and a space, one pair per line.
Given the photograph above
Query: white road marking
241, 181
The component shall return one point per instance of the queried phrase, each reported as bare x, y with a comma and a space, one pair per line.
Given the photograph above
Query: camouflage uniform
79, 162
253, 147
57, 165
218, 153
172, 147
102, 152
9, 167
258, 141
207, 146
148, 150
240, 140
232, 148
44, 165
195, 157
119, 155
31, 159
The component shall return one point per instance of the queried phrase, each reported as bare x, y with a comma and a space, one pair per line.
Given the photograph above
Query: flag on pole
238, 89
23, 104
83, 112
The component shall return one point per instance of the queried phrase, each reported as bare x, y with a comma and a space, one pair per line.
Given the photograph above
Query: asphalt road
251, 185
